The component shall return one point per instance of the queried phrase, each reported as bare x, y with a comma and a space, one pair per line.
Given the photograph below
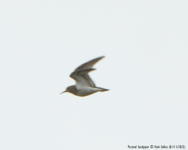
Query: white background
146, 48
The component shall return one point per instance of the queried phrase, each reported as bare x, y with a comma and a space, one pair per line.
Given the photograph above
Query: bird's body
84, 84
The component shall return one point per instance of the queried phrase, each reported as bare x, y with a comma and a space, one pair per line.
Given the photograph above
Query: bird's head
70, 89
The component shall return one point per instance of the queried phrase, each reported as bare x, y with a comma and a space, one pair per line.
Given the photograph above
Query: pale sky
146, 69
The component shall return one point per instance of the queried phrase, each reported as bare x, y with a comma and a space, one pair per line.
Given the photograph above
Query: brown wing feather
89, 64
82, 75
81, 72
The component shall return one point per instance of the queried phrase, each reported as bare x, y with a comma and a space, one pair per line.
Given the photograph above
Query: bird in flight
84, 84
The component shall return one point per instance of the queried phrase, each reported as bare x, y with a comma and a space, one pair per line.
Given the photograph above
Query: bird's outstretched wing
89, 64
82, 78
80, 74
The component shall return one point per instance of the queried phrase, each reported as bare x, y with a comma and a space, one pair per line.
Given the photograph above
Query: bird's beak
63, 92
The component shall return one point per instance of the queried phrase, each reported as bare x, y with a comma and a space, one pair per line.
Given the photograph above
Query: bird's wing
82, 78
92, 84
89, 64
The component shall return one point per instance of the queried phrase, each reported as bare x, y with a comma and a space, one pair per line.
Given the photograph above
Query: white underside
87, 90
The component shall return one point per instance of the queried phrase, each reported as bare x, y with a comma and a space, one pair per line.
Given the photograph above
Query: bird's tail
102, 89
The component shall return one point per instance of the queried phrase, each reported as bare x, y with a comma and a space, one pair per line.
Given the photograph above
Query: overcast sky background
146, 69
